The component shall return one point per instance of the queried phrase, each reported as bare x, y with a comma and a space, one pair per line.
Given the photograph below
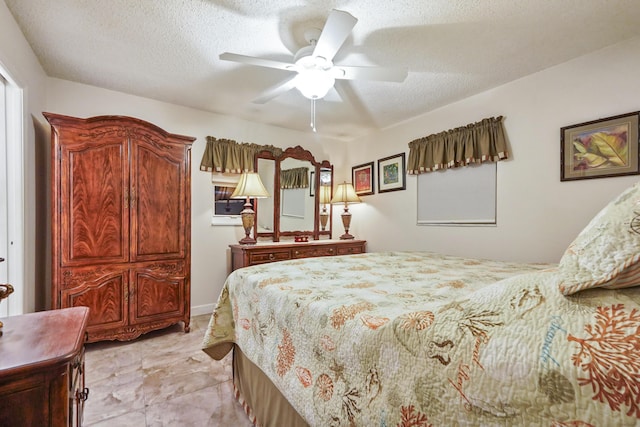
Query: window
460, 196
225, 211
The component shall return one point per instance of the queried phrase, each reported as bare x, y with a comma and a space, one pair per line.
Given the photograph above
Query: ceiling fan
314, 72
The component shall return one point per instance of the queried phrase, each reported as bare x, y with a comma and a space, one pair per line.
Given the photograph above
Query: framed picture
362, 177
391, 173
600, 148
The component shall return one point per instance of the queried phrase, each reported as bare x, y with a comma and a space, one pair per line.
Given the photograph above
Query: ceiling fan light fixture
314, 83
313, 64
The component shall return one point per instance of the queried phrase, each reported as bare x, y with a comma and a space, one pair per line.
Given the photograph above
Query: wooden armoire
121, 224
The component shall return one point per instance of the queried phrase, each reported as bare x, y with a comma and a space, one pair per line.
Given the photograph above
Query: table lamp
344, 195
249, 186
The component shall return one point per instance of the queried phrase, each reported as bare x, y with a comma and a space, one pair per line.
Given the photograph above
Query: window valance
294, 178
474, 143
228, 156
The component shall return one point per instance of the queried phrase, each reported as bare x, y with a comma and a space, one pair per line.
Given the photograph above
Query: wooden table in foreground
42, 368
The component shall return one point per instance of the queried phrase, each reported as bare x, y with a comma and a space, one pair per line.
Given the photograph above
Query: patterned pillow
607, 252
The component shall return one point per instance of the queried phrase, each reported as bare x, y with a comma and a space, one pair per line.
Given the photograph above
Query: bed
417, 339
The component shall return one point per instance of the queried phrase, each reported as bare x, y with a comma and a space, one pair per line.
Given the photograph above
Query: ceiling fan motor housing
314, 77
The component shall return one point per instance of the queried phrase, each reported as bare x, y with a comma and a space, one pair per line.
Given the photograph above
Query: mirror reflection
325, 194
266, 168
297, 195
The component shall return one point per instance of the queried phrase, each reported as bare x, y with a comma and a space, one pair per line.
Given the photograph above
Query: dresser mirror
297, 199
294, 208
266, 168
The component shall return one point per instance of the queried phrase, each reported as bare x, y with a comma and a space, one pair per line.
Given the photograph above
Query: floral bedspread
415, 339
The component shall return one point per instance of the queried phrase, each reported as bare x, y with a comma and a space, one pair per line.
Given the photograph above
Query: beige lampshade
250, 186
344, 194
325, 194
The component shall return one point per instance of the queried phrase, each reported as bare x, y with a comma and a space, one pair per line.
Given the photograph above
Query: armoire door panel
94, 212
159, 206
106, 296
156, 296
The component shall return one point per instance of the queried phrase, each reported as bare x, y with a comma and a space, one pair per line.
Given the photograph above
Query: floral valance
294, 178
475, 143
228, 156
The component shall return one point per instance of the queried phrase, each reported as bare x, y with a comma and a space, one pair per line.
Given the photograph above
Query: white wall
17, 58
209, 244
538, 216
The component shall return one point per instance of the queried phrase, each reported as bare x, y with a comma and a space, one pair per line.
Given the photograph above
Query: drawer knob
272, 257
297, 252
330, 250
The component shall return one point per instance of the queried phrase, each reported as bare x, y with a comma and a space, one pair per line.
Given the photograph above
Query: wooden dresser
42, 368
121, 224
260, 253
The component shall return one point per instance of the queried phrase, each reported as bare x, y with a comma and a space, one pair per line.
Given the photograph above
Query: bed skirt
261, 400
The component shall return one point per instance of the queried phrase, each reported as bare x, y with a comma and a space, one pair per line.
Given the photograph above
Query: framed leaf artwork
600, 148
362, 176
391, 173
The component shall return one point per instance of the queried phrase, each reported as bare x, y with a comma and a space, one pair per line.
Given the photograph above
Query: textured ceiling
168, 50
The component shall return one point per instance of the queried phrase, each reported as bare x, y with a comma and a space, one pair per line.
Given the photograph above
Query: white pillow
607, 252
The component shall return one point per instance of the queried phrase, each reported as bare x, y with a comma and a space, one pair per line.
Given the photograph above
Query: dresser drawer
269, 256
311, 252
348, 250
247, 255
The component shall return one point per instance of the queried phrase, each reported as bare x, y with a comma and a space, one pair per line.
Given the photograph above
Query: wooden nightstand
261, 253
42, 368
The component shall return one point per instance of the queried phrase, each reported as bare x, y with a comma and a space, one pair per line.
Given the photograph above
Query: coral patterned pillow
606, 253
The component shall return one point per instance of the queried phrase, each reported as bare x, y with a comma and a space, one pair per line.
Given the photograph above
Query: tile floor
160, 379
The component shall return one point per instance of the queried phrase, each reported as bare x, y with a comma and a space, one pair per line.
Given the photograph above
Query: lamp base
5, 291
247, 241
346, 222
248, 220
324, 218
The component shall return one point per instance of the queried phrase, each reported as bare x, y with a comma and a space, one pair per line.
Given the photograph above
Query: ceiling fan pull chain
313, 114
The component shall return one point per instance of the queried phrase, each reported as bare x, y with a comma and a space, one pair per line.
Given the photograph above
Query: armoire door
93, 204
159, 200
104, 289
158, 292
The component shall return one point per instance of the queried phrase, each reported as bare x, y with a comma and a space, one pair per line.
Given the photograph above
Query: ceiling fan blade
370, 73
348, 95
260, 62
276, 90
336, 30
333, 95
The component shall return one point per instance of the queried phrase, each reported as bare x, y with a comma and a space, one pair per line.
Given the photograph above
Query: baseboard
198, 310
